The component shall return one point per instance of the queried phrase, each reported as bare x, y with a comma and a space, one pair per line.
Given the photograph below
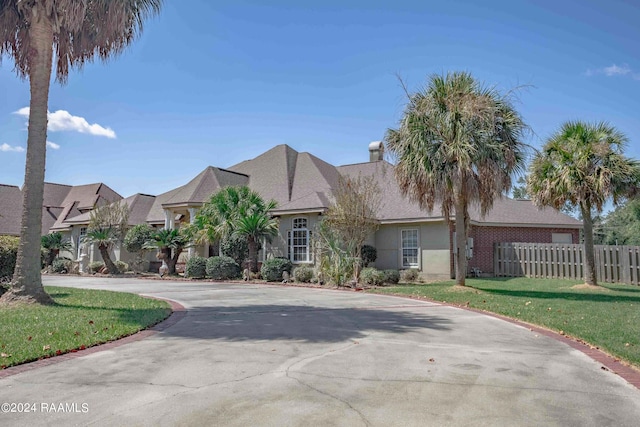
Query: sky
215, 83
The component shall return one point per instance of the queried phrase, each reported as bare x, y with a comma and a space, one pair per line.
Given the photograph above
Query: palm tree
582, 164
79, 32
237, 211
458, 143
107, 227
53, 243
170, 243
254, 227
104, 238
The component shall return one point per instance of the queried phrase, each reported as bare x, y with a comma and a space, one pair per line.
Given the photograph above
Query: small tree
135, 241
107, 227
170, 244
353, 214
235, 247
54, 243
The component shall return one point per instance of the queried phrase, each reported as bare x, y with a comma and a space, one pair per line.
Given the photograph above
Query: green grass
81, 318
608, 318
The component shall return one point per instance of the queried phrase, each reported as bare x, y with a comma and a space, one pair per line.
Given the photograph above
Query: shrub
391, 276
235, 247
303, 274
137, 237
96, 266
61, 265
368, 254
371, 276
8, 254
122, 266
410, 275
222, 268
196, 267
273, 268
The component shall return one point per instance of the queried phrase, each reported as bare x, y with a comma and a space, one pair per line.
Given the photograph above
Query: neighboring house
60, 205
302, 185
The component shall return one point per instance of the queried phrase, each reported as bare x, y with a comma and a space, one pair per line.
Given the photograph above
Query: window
561, 238
83, 232
299, 238
409, 241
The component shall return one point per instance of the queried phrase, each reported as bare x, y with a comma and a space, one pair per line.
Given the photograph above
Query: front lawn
81, 318
608, 318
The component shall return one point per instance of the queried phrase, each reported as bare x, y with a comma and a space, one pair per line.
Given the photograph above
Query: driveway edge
178, 312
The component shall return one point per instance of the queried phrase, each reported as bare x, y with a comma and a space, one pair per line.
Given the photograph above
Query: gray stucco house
302, 185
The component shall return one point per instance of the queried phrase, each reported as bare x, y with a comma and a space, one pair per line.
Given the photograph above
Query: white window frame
299, 230
562, 238
415, 248
81, 233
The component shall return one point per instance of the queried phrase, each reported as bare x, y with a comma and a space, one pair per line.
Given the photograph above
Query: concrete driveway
253, 355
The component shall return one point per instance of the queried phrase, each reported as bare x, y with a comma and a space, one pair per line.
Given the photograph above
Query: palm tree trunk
173, 260
27, 279
589, 259
461, 243
104, 253
253, 255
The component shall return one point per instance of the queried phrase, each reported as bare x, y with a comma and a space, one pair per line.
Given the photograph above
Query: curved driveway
247, 355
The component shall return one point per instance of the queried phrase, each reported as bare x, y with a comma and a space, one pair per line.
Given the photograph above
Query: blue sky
215, 83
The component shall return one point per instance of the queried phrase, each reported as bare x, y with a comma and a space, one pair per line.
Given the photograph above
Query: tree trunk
589, 259
253, 255
173, 260
104, 252
27, 280
461, 243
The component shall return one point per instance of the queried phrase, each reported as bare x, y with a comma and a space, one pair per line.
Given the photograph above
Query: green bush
137, 237
303, 274
235, 247
273, 268
8, 254
96, 266
410, 275
196, 267
368, 254
371, 276
123, 267
61, 265
391, 277
222, 268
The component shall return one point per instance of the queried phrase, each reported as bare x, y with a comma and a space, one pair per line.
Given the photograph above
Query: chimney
376, 151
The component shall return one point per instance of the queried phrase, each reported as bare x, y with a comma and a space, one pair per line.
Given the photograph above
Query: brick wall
485, 237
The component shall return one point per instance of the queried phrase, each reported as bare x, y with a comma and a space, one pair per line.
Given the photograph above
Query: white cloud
7, 147
614, 70
62, 120
53, 145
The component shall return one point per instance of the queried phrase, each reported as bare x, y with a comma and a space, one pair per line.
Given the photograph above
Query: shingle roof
296, 181
396, 207
196, 191
81, 198
10, 210
139, 207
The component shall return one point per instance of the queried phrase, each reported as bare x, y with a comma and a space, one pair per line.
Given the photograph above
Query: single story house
302, 185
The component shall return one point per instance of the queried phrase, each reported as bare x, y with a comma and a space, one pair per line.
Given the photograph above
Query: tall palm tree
458, 143
78, 32
255, 226
583, 164
53, 243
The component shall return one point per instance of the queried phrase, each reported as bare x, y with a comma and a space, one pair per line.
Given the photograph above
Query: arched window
299, 237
